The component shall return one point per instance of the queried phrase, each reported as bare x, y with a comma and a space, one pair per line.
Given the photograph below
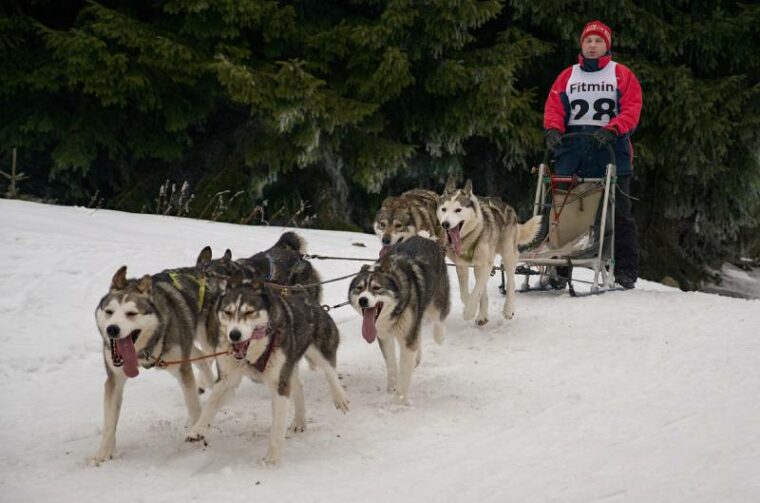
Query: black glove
604, 136
553, 139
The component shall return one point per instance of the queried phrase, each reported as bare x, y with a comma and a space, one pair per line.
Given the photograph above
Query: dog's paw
98, 459
481, 321
201, 390
400, 400
196, 435
270, 461
469, 310
390, 387
509, 314
297, 426
342, 403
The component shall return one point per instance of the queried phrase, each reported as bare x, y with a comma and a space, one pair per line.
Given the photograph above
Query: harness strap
201, 282
261, 363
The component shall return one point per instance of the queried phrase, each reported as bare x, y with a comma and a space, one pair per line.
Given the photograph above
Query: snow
645, 395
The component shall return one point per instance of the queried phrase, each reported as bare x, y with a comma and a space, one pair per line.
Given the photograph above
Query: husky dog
406, 286
282, 264
478, 228
147, 320
268, 334
407, 215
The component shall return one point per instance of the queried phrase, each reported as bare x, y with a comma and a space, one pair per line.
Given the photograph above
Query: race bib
592, 96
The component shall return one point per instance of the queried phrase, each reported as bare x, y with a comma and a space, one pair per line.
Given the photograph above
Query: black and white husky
268, 334
405, 287
477, 229
148, 320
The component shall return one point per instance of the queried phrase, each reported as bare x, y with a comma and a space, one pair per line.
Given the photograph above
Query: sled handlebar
610, 150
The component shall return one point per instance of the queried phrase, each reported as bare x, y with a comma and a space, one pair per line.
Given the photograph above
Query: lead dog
477, 230
406, 286
144, 321
268, 334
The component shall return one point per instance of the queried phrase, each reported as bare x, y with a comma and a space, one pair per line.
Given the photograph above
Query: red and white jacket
628, 107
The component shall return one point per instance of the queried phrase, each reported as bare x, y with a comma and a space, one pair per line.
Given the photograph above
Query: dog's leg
408, 357
439, 331
277, 433
299, 419
510, 264
479, 296
204, 369
186, 379
388, 347
340, 399
112, 396
463, 273
230, 379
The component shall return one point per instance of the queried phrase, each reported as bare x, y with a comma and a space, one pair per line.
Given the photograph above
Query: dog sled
579, 230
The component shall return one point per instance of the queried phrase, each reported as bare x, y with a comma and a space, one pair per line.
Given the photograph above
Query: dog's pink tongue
456, 240
127, 351
369, 332
384, 250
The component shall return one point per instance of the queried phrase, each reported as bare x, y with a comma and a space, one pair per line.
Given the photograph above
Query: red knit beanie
598, 28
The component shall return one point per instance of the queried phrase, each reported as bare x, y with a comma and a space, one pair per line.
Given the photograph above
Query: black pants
626, 234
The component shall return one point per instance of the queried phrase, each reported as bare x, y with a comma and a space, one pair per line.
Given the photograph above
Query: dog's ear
468, 188
451, 185
365, 268
204, 258
119, 280
227, 256
145, 284
235, 280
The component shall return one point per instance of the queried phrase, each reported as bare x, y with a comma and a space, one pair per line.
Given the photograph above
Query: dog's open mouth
369, 318
240, 349
385, 249
123, 353
455, 238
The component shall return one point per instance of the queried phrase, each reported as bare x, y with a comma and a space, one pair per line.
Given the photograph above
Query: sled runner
579, 216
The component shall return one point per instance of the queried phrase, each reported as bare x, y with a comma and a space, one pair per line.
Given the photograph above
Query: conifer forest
311, 112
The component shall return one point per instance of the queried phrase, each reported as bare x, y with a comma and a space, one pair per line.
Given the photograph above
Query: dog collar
261, 363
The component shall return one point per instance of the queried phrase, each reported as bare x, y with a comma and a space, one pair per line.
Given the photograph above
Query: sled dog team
262, 315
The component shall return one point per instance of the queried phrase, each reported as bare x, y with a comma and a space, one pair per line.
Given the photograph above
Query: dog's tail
291, 241
528, 233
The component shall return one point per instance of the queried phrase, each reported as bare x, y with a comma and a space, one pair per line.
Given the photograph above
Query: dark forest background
311, 112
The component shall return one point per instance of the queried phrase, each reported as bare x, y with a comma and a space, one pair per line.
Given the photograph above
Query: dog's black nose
386, 241
235, 335
445, 225
363, 302
112, 331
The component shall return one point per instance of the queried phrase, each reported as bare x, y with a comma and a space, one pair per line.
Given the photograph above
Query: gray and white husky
406, 286
477, 229
283, 264
268, 334
410, 214
148, 320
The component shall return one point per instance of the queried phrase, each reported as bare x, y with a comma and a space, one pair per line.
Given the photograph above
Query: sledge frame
603, 262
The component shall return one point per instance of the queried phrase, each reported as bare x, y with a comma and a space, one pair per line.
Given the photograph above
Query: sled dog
406, 286
144, 321
282, 264
407, 215
268, 334
478, 228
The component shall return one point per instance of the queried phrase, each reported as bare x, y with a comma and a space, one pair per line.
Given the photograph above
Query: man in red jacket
602, 97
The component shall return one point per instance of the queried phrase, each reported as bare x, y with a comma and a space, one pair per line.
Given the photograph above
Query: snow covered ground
649, 395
